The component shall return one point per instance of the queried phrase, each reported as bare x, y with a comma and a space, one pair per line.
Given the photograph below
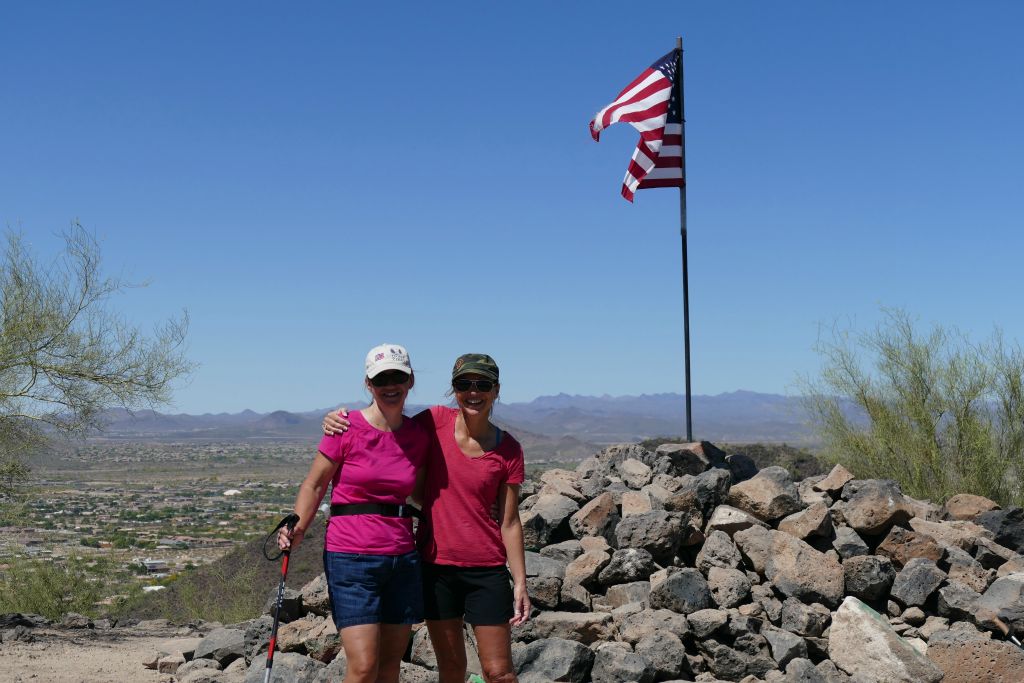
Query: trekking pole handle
290, 521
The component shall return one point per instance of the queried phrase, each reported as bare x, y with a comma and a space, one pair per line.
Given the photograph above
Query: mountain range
560, 427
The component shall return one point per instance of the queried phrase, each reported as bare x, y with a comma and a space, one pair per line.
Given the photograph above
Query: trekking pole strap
290, 521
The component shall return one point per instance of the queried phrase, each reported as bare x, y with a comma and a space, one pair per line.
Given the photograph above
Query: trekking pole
989, 617
290, 521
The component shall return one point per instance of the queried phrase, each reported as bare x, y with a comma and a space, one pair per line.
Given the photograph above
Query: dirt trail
85, 656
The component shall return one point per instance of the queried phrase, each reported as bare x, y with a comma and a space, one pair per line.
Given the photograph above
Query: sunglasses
387, 379
484, 385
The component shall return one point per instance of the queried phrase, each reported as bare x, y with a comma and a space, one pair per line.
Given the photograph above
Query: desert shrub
932, 410
51, 588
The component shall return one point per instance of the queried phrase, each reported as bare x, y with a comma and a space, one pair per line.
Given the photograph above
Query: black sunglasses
387, 379
478, 384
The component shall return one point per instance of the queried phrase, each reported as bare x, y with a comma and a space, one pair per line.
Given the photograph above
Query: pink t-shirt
458, 528
376, 467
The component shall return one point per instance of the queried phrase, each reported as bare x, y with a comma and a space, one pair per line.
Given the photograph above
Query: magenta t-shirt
376, 467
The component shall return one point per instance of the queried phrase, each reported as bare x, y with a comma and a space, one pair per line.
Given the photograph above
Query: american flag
651, 105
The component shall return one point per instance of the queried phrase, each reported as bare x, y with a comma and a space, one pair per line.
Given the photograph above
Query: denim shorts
374, 589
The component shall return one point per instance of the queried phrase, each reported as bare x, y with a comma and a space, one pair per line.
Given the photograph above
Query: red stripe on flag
654, 88
661, 182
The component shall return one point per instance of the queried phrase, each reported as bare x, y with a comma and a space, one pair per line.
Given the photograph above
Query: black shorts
481, 595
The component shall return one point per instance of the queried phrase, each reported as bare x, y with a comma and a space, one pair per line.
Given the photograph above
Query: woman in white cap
370, 558
474, 568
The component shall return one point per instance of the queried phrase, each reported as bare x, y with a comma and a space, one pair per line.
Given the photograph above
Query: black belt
383, 509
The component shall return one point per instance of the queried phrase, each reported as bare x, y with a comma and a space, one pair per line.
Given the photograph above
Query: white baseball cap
387, 357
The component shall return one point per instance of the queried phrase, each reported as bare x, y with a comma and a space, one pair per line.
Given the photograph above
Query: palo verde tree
939, 414
66, 355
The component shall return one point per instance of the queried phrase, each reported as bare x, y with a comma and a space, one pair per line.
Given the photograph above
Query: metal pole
682, 232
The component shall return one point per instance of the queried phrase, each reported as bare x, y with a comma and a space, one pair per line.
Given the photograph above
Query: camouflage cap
475, 364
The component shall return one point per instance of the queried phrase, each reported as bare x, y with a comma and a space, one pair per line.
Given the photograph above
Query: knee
362, 670
499, 673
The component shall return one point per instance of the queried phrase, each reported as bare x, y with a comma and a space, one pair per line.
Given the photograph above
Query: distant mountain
550, 427
737, 417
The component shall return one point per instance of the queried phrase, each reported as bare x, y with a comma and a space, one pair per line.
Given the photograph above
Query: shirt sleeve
516, 465
332, 447
425, 418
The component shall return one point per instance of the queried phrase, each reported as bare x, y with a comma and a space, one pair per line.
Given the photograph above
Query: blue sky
311, 180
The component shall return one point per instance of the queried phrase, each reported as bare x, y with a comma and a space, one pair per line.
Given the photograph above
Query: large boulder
967, 506
978, 660
868, 577
755, 544
291, 605
658, 532
596, 518
315, 597
692, 458
562, 483
731, 520
1004, 599
812, 522
915, 583
701, 492
289, 667
680, 590
615, 662
634, 626
582, 627
626, 565
862, 643
665, 652
872, 506
799, 571
554, 659
1006, 525
718, 551
547, 521
770, 495
634, 473
901, 546
834, 481
955, 534
729, 587
223, 645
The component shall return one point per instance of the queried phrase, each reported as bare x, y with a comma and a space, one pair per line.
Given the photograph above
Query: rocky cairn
687, 564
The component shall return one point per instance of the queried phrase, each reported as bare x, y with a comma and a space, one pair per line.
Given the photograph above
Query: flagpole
682, 232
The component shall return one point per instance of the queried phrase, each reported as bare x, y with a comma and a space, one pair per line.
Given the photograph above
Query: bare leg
394, 639
494, 643
450, 648
362, 650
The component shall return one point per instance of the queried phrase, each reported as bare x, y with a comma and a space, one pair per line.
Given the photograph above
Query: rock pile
687, 564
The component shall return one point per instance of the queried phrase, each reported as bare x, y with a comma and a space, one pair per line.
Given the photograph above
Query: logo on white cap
387, 357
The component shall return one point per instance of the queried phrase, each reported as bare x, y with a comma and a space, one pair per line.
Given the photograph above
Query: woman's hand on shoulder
336, 422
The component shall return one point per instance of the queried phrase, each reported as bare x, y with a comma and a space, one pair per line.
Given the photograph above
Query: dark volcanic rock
1007, 525
681, 590
658, 532
916, 582
869, 577
627, 564
555, 659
